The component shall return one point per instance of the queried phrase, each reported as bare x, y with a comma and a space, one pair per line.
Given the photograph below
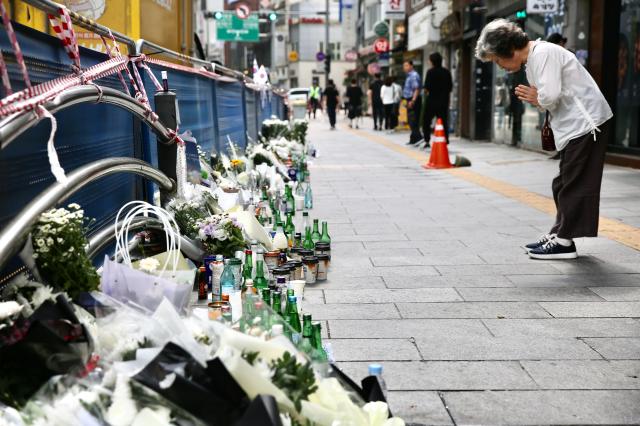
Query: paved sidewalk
429, 278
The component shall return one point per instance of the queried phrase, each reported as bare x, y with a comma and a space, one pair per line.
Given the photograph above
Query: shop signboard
381, 29
542, 6
393, 9
231, 28
381, 45
424, 25
351, 56
293, 56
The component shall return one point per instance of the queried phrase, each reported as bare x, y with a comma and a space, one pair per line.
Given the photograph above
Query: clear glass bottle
227, 279
308, 197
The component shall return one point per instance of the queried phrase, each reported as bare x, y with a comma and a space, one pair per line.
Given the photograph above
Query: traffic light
272, 16
217, 15
327, 64
521, 14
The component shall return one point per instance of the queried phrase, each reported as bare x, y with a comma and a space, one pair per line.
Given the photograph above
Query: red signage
243, 11
381, 45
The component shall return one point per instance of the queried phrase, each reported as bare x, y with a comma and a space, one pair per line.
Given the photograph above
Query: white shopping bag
173, 280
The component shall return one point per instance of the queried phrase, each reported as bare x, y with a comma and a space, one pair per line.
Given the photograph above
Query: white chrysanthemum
149, 264
50, 241
40, 242
71, 249
123, 409
41, 295
74, 206
220, 234
8, 309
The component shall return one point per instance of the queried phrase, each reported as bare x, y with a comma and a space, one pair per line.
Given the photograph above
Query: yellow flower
236, 162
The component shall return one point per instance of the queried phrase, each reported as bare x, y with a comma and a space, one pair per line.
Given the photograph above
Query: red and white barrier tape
120, 77
15, 46
27, 101
63, 28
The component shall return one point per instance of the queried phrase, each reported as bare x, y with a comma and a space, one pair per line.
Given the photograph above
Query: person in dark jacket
377, 107
437, 87
331, 100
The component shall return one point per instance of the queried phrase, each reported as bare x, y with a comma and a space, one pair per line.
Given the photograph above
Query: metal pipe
52, 7
15, 232
101, 239
13, 126
220, 69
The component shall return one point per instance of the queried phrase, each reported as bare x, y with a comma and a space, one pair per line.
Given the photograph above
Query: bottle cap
292, 299
277, 330
163, 75
375, 369
305, 213
249, 281
281, 280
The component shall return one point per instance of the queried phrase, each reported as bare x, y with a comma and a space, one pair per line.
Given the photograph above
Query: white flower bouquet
221, 234
59, 241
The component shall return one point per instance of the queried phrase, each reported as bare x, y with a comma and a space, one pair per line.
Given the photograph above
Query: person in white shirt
397, 99
579, 116
388, 101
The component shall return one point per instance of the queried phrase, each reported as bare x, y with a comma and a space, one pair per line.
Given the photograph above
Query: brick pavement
429, 278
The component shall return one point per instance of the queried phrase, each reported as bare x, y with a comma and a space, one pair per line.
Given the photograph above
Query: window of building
372, 15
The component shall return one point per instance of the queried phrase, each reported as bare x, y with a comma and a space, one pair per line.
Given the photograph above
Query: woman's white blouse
575, 103
386, 93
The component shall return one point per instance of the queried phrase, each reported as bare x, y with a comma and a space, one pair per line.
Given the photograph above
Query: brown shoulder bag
548, 141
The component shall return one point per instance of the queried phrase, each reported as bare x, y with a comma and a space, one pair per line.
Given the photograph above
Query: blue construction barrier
231, 120
212, 110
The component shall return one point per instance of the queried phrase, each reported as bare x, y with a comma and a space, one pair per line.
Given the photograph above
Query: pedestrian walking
314, 98
377, 107
331, 98
580, 118
411, 93
397, 98
354, 96
437, 87
388, 102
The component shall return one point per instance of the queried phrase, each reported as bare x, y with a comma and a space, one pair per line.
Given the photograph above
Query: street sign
381, 28
393, 9
232, 28
381, 45
320, 56
243, 11
293, 56
542, 6
351, 56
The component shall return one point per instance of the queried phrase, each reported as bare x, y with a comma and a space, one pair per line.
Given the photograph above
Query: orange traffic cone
439, 153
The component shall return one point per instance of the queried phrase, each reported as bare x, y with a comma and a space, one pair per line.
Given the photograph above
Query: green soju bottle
325, 238
293, 318
290, 229
306, 345
308, 240
266, 296
289, 200
315, 235
319, 354
260, 282
276, 302
247, 269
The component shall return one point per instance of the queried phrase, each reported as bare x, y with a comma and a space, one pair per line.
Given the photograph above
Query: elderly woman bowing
579, 117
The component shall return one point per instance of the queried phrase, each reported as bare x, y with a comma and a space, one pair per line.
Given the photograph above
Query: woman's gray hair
500, 38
